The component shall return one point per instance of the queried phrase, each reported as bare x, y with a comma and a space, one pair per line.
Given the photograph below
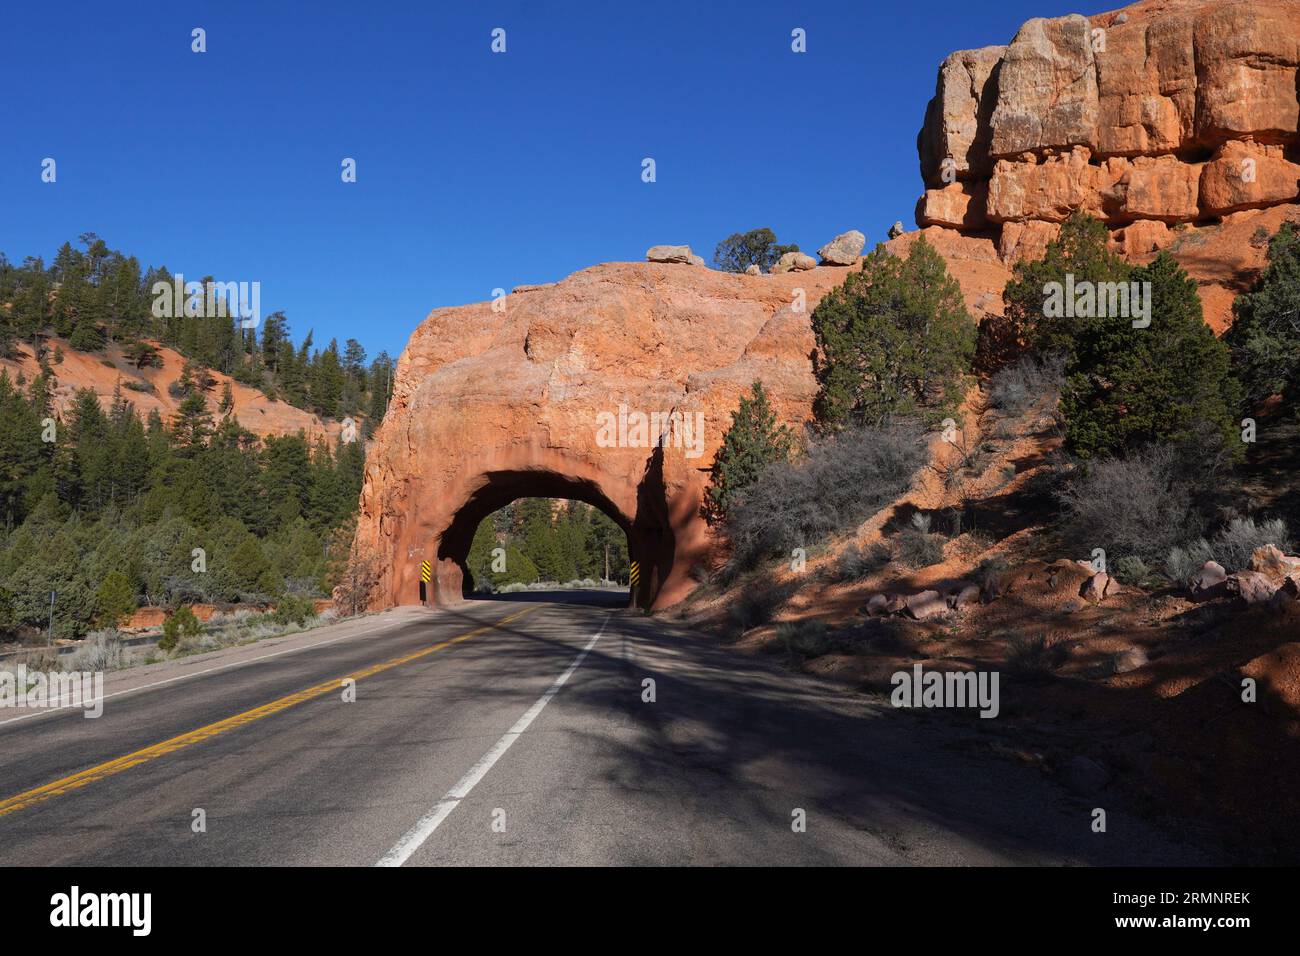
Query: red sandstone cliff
1165, 112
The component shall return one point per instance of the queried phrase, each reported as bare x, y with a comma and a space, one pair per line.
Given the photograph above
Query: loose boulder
1269, 561
1209, 581
844, 249
1098, 587
1250, 586
680, 254
925, 604
1129, 659
794, 262
963, 595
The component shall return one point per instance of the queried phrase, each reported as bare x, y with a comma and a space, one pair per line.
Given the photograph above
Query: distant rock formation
1169, 112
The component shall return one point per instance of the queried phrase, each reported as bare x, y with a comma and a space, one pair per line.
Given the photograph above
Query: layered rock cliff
1164, 113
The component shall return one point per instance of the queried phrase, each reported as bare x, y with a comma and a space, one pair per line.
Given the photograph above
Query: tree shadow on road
733, 745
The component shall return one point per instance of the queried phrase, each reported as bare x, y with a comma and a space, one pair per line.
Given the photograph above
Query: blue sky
474, 170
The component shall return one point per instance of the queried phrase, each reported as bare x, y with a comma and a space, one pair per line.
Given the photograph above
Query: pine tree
31, 301
325, 490
275, 337
1265, 333
23, 464
540, 542
1128, 387
327, 381
86, 336
753, 442
115, 600
248, 565
606, 544
89, 454
192, 423
354, 362
758, 247
893, 342
381, 385
479, 559
1081, 251
285, 476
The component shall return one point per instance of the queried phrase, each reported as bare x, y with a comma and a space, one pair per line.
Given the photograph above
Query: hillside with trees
112, 508
113, 512
101, 300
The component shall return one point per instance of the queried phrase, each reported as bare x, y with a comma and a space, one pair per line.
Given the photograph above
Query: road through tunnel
644, 561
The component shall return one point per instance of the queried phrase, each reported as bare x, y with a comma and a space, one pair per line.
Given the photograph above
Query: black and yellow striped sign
635, 574
425, 571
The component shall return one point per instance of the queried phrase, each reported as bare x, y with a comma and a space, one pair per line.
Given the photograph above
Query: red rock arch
665, 532
499, 401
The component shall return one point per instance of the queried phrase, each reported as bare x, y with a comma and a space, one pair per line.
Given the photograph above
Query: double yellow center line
78, 780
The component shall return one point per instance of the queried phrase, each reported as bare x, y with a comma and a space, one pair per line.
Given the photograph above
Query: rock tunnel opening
649, 536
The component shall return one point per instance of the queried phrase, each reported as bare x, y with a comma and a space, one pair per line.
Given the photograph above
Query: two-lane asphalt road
516, 732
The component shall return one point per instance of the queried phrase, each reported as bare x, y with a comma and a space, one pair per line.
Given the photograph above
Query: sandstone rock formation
494, 404
1169, 112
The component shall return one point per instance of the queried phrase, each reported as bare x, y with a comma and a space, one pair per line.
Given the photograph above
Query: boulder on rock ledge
844, 249
680, 254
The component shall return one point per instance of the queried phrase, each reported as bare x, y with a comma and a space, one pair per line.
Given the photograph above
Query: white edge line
208, 670
423, 829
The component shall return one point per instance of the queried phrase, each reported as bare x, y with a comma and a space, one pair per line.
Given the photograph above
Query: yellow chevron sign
635, 574
425, 571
